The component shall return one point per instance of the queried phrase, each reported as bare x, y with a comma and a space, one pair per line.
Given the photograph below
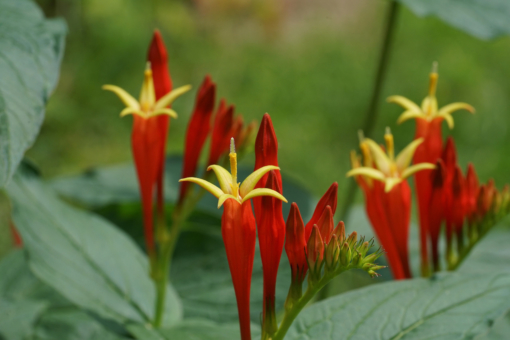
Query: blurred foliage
309, 66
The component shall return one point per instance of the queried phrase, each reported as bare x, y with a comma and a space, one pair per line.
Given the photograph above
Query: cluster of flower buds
468, 210
323, 250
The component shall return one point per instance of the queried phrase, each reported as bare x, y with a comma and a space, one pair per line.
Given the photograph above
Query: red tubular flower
472, 189
428, 127
450, 162
221, 132
147, 141
238, 226
436, 209
198, 129
295, 244
329, 198
271, 233
238, 231
388, 196
158, 58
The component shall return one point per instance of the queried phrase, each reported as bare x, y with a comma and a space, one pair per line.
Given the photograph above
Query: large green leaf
192, 330
23, 297
484, 19
82, 256
31, 48
202, 278
448, 306
71, 324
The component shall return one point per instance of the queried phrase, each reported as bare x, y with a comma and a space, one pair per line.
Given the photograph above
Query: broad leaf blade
448, 306
83, 257
192, 330
484, 19
31, 48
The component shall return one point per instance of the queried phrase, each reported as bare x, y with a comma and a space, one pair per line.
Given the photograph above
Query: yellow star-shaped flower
229, 188
385, 167
147, 106
428, 109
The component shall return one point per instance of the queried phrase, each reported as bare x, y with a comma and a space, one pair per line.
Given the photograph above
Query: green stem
292, 311
372, 111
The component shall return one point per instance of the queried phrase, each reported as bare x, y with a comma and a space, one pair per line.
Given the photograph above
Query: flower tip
435, 65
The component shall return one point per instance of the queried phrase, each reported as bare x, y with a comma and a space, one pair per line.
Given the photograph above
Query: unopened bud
356, 259
364, 248
326, 224
345, 254
352, 239
315, 249
340, 232
332, 253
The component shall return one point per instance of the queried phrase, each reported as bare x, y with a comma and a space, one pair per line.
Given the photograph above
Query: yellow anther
367, 155
433, 80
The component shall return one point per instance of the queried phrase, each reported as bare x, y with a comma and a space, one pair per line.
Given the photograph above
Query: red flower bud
271, 233
436, 210
221, 133
295, 244
472, 189
326, 224
198, 130
315, 250
266, 153
328, 199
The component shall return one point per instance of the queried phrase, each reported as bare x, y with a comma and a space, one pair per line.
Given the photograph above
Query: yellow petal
126, 98
449, 120
224, 178
381, 159
390, 183
446, 111
263, 192
405, 156
131, 111
213, 189
164, 111
409, 114
252, 180
225, 197
169, 98
404, 102
450, 108
368, 172
415, 168
429, 106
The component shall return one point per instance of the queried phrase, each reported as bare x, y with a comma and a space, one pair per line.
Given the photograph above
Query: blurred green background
309, 64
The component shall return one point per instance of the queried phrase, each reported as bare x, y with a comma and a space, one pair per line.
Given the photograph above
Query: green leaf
17, 318
484, 19
23, 297
83, 257
192, 330
448, 306
31, 48
71, 324
202, 278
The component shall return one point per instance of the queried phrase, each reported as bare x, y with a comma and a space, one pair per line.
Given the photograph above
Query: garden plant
219, 241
